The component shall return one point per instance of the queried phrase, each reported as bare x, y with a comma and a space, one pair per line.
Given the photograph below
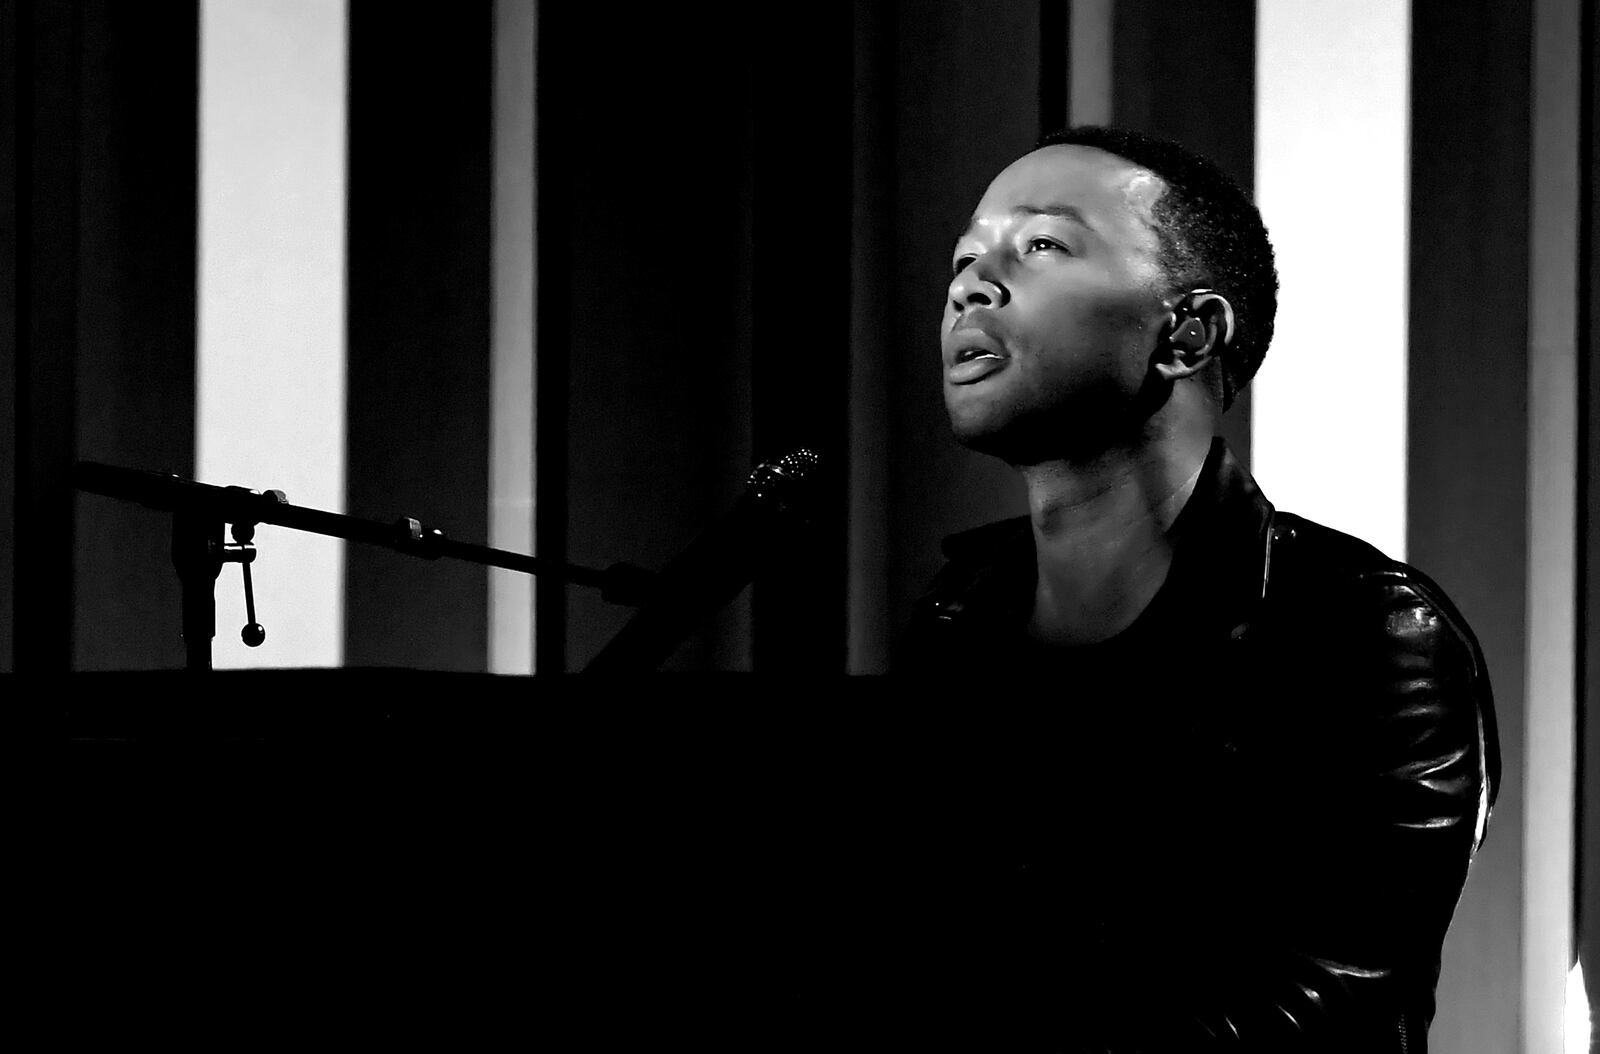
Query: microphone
778, 500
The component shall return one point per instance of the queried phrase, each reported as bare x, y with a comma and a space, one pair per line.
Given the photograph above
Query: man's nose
977, 286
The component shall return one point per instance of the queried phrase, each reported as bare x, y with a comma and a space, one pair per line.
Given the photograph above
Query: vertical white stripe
1332, 164
1548, 806
1089, 62
511, 366
271, 290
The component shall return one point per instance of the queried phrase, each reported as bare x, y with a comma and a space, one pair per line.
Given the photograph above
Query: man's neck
1101, 529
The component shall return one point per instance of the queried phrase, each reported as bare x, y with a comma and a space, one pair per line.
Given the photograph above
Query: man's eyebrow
1068, 212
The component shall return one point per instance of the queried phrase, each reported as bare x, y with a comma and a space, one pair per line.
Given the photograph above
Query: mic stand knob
244, 554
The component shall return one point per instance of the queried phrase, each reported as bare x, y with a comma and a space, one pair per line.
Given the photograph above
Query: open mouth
974, 364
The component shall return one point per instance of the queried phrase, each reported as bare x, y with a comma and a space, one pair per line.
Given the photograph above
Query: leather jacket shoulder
1348, 722
1400, 615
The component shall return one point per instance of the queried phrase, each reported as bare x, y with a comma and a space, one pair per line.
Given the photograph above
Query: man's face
1055, 306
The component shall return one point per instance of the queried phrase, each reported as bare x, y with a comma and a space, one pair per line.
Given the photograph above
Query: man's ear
1198, 328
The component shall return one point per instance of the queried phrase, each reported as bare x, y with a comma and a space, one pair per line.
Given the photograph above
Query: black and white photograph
988, 526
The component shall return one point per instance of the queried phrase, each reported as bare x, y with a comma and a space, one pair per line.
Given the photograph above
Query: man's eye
1045, 243
962, 263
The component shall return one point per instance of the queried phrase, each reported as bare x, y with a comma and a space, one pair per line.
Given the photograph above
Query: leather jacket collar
1224, 547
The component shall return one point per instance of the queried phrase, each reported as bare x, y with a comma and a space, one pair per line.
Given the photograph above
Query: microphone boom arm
199, 511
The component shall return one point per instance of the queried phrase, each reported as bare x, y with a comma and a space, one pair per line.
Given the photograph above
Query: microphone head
787, 486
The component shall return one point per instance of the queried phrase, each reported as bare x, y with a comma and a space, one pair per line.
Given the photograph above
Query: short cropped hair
1211, 236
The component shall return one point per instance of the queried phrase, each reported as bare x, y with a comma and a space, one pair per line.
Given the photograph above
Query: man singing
1282, 751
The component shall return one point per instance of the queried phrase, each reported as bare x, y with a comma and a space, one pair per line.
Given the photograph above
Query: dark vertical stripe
48, 61
10, 315
135, 371
801, 93
554, 164
1054, 48
1586, 899
643, 252
1134, 32
1186, 69
730, 637
871, 279
100, 174
1467, 431
418, 324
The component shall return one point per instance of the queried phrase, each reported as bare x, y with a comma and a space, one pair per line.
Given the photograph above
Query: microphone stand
199, 512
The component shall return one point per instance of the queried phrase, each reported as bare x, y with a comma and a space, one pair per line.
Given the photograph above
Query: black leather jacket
1274, 802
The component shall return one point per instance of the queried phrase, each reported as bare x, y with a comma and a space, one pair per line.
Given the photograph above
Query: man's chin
1017, 435
1030, 441
1006, 442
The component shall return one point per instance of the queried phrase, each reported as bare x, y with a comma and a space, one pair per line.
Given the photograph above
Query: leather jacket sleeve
1364, 765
